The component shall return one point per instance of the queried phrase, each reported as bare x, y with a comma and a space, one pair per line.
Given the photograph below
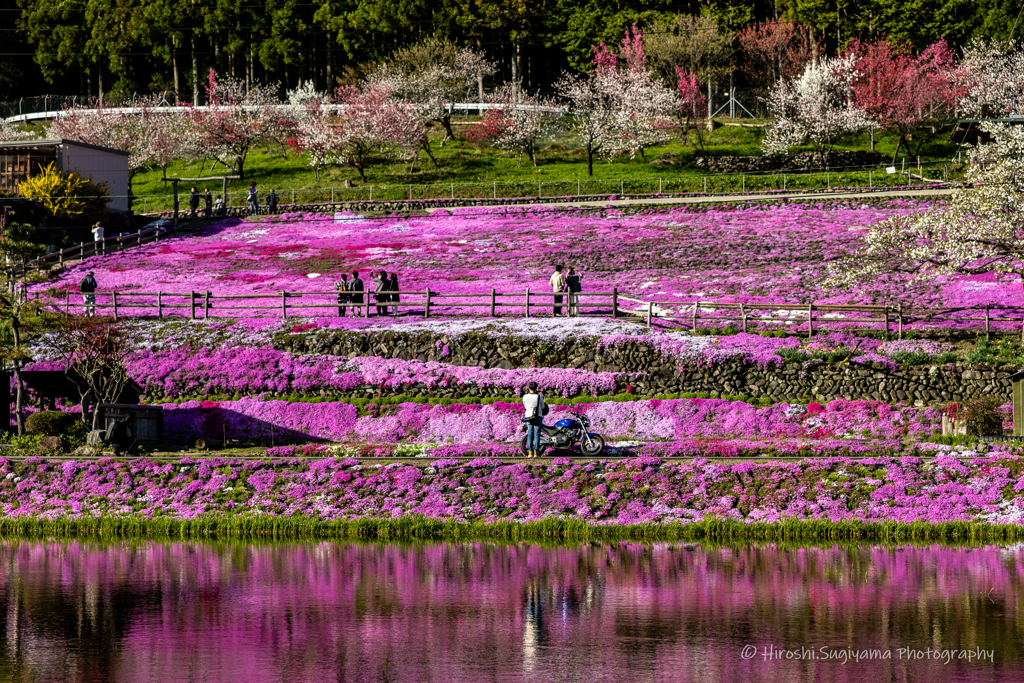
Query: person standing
254, 202
209, 203
394, 291
88, 287
343, 296
533, 417
382, 292
272, 200
557, 283
356, 287
575, 286
219, 210
193, 203
97, 238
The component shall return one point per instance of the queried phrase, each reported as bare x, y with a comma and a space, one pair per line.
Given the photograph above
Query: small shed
20, 159
149, 420
1017, 379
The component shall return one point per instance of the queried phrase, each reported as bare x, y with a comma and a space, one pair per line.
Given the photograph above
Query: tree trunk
590, 159
177, 77
899, 142
515, 61
446, 121
195, 73
19, 384
425, 145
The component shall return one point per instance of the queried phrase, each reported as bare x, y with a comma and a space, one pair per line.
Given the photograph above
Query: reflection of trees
183, 611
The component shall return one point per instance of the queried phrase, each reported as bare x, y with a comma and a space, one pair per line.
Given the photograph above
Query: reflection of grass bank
415, 528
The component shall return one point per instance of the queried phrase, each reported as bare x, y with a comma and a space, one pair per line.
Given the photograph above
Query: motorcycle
567, 432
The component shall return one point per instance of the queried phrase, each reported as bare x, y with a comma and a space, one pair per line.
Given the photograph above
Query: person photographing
533, 418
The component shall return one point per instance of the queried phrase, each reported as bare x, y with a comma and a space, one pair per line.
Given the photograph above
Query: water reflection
480, 612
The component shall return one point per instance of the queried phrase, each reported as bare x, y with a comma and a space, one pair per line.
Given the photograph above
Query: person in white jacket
557, 283
533, 403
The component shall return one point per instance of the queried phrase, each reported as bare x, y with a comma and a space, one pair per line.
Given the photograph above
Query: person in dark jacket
574, 286
343, 296
209, 203
356, 287
381, 292
193, 203
272, 200
88, 287
394, 288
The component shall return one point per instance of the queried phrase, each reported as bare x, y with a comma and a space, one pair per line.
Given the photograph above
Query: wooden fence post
650, 308
284, 305
615, 302
986, 323
492, 302
426, 310
160, 305
527, 302
810, 320
192, 299
206, 305
695, 307
886, 323
899, 330
743, 317
115, 304
67, 302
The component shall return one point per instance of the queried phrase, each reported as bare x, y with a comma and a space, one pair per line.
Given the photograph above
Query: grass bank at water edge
415, 528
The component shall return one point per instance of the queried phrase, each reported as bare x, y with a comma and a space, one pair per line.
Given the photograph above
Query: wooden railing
803, 317
109, 245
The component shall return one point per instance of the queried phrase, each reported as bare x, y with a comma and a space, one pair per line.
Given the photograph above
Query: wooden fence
688, 315
109, 245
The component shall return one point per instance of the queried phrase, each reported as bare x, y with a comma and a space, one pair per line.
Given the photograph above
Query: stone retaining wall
804, 161
792, 381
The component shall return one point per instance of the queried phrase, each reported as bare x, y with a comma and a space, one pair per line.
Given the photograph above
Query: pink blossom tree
236, 119
902, 92
316, 128
374, 124
691, 109
518, 121
619, 107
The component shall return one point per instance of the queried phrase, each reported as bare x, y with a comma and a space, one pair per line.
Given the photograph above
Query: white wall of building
100, 165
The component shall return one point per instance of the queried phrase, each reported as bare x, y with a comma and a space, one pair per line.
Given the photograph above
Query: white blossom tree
432, 76
818, 107
518, 121
315, 126
990, 79
236, 119
619, 107
10, 131
980, 229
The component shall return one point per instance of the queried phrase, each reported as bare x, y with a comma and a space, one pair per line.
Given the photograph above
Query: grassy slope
462, 162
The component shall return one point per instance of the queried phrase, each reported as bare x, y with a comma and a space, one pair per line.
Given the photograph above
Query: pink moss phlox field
260, 421
761, 253
644, 490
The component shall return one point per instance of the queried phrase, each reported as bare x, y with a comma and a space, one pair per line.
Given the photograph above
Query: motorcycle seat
550, 431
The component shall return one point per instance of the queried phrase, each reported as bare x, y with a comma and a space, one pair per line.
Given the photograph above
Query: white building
19, 160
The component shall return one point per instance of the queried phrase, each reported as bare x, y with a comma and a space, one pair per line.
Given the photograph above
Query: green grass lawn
466, 169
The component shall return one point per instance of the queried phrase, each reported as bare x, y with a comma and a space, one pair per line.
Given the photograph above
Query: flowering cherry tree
979, 230
818, 108
374, 124
619, 107
901, 91
12, 131
315, 126
432, 76
236, 119
518, 121
990, 79
691, 106
776, 49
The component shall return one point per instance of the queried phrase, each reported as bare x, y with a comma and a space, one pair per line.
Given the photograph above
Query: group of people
384, 288
215, 207
568, 284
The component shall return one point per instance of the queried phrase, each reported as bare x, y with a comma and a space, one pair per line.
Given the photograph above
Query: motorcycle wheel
595, 449
525, 450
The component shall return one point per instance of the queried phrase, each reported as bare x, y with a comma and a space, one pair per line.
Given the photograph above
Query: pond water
474, 612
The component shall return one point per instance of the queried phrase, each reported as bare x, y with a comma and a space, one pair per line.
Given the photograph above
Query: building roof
57, 143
